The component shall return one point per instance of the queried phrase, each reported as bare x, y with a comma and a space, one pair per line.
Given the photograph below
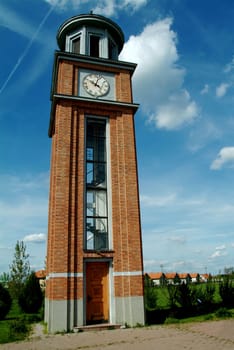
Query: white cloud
205, 89
221, 90
62, 3
178, 264
202, 134
18, 24
230, 66
12, 21
221, 247
225, 157
23, 204
104, 7
177, 239
158, 80
218, 254
134, 3
157, 201
35, 238
178, 111
24, 208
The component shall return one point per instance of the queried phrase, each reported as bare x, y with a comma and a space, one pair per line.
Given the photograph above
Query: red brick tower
94, 248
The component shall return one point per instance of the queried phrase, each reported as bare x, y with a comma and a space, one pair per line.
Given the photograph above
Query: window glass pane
96, 174
89, 174
89, 233
76, 45
96, 192
111, 49
94, 45
96, 230
96, 203
96, 149
89, 153
100, 235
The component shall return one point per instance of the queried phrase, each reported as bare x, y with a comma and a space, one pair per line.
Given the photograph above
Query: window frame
95, 189
70, 40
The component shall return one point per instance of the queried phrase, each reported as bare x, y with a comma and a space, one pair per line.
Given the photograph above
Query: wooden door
97, 292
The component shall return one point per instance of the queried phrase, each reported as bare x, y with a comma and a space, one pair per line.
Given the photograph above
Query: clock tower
94, 248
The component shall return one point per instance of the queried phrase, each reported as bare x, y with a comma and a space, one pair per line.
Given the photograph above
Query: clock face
96, 85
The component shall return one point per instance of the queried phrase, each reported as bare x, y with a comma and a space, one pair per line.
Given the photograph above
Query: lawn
17, 325
163, 297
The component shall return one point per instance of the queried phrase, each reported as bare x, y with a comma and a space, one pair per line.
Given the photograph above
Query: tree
226, 291
205, 295
176, 279
31, 297
19, 270
172, 295
5, 302
4, 279
198, 278
186, 296
150, 294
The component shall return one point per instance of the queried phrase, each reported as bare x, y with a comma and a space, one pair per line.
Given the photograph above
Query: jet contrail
20, 59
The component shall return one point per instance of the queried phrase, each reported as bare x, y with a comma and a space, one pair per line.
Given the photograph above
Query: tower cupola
91, 35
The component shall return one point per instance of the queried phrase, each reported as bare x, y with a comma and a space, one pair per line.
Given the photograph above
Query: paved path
212, 335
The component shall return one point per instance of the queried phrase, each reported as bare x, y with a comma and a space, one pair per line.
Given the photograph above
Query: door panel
97, 300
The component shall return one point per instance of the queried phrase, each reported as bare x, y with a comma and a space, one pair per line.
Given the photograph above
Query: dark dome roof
96, 21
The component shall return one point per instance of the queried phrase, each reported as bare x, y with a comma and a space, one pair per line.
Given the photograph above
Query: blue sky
184, 83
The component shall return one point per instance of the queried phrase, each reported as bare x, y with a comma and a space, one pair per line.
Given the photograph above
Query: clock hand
96, 84
93, 83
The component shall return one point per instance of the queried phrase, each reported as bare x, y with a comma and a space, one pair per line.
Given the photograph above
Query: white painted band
64, 275
80, 274
128, 273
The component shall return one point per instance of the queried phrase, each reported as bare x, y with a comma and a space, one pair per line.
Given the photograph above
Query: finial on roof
91, 12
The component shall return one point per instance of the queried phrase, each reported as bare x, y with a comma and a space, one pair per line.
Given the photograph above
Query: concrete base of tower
130, 311
63, 315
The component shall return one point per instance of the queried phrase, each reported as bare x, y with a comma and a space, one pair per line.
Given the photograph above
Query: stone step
97, 327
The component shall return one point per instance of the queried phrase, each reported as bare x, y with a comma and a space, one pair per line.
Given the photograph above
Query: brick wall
66, 210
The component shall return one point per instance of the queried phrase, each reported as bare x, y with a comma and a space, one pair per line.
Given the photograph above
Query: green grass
162, 295
4, 332
214, 316
17, 325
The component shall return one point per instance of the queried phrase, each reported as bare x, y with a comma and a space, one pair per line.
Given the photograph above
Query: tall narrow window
112, 50
76, 45
96, 187
94, 45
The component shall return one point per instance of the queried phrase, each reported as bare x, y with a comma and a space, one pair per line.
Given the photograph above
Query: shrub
223, 312
150, 294
5, 302
205, 295
226, 291
157, 316
186, 296
19, 326
172, 296
171, 320
31, 297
